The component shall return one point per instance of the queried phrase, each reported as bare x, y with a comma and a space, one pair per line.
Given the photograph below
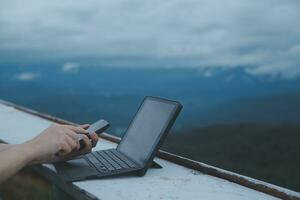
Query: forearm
13, 159
5, 146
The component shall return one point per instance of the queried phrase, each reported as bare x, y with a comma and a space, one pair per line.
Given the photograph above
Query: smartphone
98, 127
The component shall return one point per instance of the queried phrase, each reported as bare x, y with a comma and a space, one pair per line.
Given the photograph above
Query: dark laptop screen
146, 129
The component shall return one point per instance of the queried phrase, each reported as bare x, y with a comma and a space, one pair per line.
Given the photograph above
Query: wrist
28, 151
5, 146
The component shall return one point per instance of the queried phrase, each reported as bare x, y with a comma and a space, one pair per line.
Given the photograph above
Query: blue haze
89, 93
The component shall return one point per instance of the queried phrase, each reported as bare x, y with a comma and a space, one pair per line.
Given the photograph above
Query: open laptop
135, 152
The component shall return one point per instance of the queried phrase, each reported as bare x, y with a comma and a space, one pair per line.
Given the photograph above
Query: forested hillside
263, 151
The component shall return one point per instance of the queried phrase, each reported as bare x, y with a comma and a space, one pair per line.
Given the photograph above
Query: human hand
94, 137
60, 142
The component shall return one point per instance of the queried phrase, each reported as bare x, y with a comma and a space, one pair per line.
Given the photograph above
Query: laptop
135, 153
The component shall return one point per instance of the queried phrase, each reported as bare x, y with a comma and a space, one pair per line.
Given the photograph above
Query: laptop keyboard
109, 160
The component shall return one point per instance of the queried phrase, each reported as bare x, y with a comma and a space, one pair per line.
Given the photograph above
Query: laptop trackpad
77, 169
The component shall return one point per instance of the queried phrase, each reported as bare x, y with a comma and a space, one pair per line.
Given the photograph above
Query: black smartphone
98, 127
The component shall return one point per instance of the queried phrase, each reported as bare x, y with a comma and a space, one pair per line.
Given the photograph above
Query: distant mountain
281, 108
263, 151
215, 96
177, 82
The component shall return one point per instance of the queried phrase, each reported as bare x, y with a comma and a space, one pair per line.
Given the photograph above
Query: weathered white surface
171, 182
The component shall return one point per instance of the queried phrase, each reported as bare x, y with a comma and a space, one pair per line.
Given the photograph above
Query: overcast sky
261, 36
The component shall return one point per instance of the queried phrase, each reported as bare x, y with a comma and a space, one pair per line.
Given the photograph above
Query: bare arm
5, 146
13, 159
56, 143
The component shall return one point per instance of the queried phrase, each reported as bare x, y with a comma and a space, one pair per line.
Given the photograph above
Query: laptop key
111, 161
94, 160
101, 168
125, 159
118, 160
104, 161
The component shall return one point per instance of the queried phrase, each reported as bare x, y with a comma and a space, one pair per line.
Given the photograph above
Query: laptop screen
146, 129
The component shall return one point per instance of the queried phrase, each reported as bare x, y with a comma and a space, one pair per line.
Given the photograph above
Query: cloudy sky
263, 37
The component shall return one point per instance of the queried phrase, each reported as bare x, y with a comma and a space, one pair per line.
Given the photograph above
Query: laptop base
82, 168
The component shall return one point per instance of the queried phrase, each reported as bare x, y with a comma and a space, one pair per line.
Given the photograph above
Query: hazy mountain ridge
115, 93
280, 108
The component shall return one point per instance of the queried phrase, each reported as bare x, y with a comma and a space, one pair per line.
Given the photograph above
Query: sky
262, 37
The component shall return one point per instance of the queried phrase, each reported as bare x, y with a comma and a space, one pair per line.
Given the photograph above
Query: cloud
27, 76
261, 36
70, 67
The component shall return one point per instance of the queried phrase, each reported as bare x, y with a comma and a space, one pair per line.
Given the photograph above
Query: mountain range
88, 93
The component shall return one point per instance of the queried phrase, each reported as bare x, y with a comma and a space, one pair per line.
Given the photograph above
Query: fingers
69, 143
69, 146
73, 139
73, 143
87, 145
77, 129
71, 133
94, 138
93, 135
85, 126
